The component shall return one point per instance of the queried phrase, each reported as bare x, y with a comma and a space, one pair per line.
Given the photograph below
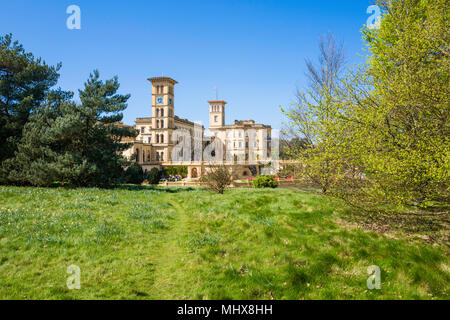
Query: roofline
217, 101
230, 126
162, 79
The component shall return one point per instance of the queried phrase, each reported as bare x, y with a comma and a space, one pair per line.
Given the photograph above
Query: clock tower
162, 102
163, 117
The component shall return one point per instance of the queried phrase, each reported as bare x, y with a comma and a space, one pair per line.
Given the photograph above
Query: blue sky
253, 51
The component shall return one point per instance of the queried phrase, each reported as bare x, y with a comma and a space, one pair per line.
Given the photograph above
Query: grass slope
155, 243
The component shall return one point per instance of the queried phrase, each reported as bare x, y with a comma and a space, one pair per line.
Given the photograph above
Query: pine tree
101, 108
74, 144
24, 83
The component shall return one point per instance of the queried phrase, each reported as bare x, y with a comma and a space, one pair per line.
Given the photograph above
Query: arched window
157, 138
162, 138
157, 156
162, 112
157, 123
162, 156
162, 123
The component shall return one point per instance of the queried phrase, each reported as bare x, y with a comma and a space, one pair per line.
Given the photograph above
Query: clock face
159, 100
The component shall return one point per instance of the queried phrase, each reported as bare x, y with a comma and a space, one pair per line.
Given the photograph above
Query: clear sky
253, 51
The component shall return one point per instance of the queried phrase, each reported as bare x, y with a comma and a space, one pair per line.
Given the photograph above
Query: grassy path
170, 257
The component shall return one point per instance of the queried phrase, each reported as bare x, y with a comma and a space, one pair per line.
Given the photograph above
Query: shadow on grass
434, 225
130, 187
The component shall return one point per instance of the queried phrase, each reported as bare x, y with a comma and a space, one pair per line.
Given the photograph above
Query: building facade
244, 145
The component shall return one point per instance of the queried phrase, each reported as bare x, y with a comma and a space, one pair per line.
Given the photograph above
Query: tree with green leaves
24, 83
381, 135
100, 141
134, 174
309, 118
74, 144
395, 109
154, 176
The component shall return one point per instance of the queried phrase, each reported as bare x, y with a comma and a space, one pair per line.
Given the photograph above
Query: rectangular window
142, 129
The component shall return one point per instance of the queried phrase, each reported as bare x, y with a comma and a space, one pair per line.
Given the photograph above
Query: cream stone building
246, 145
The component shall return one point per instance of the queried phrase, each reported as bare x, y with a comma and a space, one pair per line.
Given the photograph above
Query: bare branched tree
331, 61
219, 177
307, 142
325, 75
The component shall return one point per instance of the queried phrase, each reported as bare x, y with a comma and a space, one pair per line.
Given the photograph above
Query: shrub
154, 176
218, 178
134, 174
175, 170
265, 182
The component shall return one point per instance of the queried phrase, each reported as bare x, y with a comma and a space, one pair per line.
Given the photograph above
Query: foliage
381, 135
24, 83
175, 171
265, 181
74, 144
219, 177
291, 144
154, 175
134, 174
309, 118
292, 170
394, 111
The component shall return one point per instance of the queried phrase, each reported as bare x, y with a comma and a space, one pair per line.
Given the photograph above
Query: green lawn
169, 243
